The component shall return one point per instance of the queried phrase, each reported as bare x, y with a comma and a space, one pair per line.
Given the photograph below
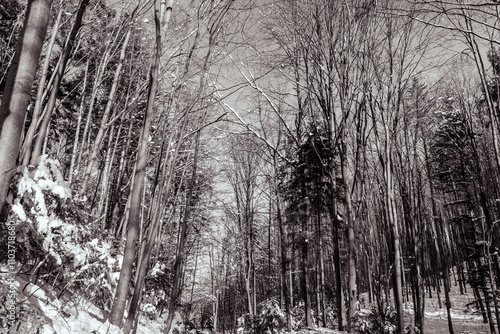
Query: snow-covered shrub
53, 238
299, 316
149, 311
154, 286
177, 326
271, 318
37, 202
371, 322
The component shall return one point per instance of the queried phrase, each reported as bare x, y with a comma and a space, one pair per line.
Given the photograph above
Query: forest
249, 167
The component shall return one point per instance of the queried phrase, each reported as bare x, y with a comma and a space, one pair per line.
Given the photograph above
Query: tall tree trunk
93, 96
28, 140
269, 256
17, 91
78, 126
305, 278
285, 260
285, 269
108, 163
393, 222
418, 233
443, 253
353, 294
304, 248
180, 258
116, 316
163, 196
107, 191
321, 302
121, 172
339, 298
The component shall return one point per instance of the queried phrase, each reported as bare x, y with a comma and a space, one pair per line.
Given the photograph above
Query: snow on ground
465, 319
318, 330
78, 316
40, 188
459, 308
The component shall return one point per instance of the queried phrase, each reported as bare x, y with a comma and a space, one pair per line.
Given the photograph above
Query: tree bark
28, 140
321, 302
352, 293
180, 258
392, 217
443, 253
285, 260
305, 277
16, 94
339, 298
116, 316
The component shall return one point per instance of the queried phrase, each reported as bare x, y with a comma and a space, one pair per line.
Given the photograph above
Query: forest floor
466, 319
42, 314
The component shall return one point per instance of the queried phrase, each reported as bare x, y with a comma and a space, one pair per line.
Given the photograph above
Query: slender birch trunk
396, 244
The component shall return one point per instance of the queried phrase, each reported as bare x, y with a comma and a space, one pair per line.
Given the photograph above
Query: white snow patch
157, 269
49, 177
19, 210
84, 318
60, 237
37, 187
